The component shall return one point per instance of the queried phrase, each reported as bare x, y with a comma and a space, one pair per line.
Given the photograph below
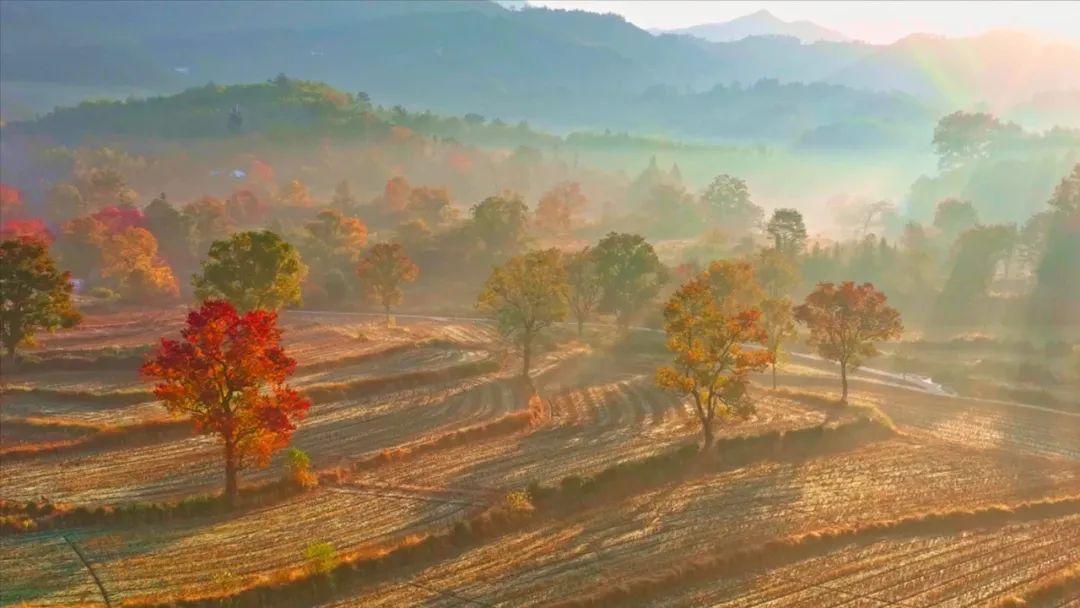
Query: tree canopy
525, 296
383, 270
787, 230
630, 274
228, 373
845, 321
708, 323
252, 270
34, 295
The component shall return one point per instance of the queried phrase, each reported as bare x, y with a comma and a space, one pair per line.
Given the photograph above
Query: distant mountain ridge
562, 69
761, 23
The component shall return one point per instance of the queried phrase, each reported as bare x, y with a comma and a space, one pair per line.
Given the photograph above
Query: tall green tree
1056, 299
726, 200
953, 216
962, 137
253, 271
500, 223
630, 274
978, 252
34, 295
525, 296
172, 229
787, 230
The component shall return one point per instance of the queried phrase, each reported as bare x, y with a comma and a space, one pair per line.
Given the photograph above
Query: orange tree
383, 270
845, 321
34, 295
228, 373
708, 321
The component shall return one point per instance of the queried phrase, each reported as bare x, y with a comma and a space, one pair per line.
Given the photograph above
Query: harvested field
333, 431
727, 510
967, 568
590, 429
386, 416
968, 422
201, 555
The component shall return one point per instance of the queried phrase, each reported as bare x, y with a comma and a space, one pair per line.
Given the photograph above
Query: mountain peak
760, 23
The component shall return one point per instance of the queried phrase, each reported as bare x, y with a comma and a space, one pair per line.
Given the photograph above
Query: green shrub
298, 468
321, 557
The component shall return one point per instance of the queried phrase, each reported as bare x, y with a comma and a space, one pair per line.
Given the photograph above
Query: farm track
726, 511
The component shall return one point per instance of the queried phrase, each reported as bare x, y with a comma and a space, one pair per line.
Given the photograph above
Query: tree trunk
707, 438
774, 375
580, 327
231, 488
386, 309
843, 381
526, 355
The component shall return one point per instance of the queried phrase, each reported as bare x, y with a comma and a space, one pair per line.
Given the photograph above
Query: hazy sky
877, 22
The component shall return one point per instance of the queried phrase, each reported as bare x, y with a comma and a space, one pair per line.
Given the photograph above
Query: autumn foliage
383, 270
228, 373
708, 324
845, 321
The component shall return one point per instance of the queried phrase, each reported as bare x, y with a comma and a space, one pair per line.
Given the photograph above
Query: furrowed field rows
89, 407
955, 570
207, 555
91, 412
591, 428
125, 329
333, 431
731, 510
970, 422
44, 569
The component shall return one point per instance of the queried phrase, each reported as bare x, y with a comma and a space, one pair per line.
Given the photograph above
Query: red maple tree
845, 321
228, 373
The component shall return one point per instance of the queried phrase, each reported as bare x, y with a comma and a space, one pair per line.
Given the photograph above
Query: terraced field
204, 554
968, 422
960, 569
725, 511
595, 409
591, 428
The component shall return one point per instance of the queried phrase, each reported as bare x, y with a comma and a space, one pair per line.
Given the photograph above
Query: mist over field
486, 303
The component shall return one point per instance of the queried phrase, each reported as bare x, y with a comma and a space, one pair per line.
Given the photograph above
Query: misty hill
562, 69
815, 115
761, 23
